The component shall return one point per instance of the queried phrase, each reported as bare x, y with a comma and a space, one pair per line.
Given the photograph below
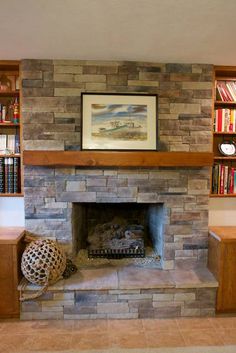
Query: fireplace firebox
117, 230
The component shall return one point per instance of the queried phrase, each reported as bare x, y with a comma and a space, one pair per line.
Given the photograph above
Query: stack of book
223, 179
9, 175
226, 91
225, 120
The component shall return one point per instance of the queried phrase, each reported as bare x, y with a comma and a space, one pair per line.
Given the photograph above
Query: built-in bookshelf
10, 130
224, 133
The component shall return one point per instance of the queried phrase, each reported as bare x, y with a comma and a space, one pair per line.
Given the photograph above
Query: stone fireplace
52, 121
174, 199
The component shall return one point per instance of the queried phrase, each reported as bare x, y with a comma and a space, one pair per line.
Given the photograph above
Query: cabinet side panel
227, 301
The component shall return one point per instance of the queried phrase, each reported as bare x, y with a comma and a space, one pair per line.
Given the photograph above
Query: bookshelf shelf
224, 133
10, 132
8, 93
9, 125
19, 194
221, 103
10, 155
224, 168
222, 195
224, 158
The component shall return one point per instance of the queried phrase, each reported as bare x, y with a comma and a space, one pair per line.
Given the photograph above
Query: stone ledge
116, 278
129, 278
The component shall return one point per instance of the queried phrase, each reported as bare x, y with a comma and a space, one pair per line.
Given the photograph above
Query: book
234, 183
2, 183
8, 179
221, 179
215, 177
231, 181
16, 173
226, 175
11, 143
3, 143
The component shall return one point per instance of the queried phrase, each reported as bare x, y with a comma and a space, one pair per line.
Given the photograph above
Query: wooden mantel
117, 159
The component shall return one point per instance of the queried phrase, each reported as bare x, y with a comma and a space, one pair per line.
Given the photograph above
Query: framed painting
113, 121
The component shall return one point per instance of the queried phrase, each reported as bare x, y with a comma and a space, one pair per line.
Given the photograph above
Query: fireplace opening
118, 230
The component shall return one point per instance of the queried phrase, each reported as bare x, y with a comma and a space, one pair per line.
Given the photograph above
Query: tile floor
57, 336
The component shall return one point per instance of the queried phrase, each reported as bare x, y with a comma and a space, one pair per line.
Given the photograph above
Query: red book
222, 176
219, 122
231, 185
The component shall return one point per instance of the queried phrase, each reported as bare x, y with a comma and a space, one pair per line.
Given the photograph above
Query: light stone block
162, 116
165, 175
147, 197
55, 303
96, 86
127, 191
143, 83
90, 78
198, 85
96, 182
75, 186
124, 291
84, 316
190, 312
168, 265
166, 304
64, 296
163, 297
43, 145
67, 92
112, 308
184, 296
67, 69
134, 296
63, 77
52, 204
185, 108
123, 316
52, 308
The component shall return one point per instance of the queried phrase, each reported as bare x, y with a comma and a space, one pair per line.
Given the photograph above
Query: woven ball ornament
43, 262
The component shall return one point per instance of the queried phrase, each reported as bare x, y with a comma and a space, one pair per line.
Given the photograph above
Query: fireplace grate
116, 253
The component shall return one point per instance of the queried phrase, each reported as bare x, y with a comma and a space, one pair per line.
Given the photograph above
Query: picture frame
114, 121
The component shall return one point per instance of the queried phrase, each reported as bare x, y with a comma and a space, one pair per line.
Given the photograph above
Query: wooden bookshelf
223, 73
10, 71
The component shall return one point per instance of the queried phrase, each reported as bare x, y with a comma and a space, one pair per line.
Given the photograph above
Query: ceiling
184, 31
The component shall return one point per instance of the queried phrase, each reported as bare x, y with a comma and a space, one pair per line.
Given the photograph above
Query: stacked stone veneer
52, 121
121, 304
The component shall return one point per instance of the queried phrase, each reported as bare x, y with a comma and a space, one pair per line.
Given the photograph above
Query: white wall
12, 212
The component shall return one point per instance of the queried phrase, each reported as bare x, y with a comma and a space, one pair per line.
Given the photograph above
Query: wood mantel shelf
118, 159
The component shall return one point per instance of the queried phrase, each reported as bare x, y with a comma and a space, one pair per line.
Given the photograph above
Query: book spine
226, 173
16, 166
219, 124
231, 186
215, 173
234, 181
8, 175
221, 184
2, 181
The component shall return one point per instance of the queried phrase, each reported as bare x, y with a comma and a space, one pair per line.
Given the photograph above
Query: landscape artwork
119, 121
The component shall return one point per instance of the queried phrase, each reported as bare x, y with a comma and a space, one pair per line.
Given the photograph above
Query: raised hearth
125, 292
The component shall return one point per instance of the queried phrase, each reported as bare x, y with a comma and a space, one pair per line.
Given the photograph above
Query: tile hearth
125, 292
